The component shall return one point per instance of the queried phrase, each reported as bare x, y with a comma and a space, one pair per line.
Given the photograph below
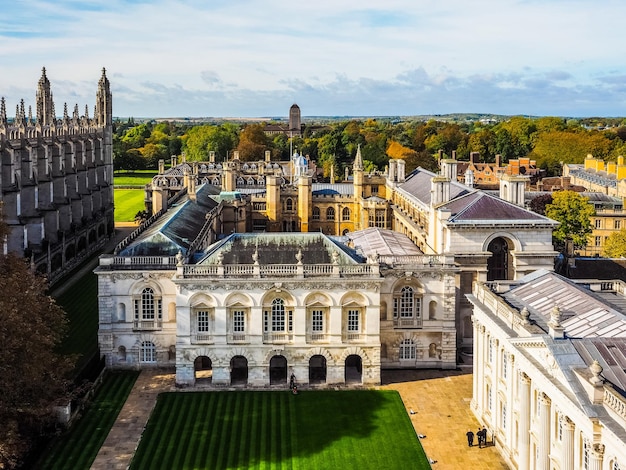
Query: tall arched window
407, 349
407, 308
278, 321
289, 204
345, 214
316, 213
330, 213
147, 310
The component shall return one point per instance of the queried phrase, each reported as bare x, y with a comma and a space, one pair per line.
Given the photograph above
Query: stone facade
56, 183
549, 376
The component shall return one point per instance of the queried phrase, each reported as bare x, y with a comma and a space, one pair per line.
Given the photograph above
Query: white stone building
550, 371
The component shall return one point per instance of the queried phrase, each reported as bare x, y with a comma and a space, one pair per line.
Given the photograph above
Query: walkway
440, 400
119, 446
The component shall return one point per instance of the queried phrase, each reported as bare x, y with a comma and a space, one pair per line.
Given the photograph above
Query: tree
573, 211
615, 245
252, 143
539, 203
33, 376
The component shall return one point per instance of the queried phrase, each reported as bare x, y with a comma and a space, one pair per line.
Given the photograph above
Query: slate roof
319, 189
278, 248
177, 228
479, 206
585, 314
418, 185
610, 353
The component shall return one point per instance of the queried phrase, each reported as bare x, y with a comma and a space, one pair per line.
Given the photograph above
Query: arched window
407, 308
330, 213
148, 313
345, 214
278, 321
407, 349
147, 353
316, 213
289, 204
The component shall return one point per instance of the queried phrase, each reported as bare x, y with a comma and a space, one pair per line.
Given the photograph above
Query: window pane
353, 320
317, 318
239, 321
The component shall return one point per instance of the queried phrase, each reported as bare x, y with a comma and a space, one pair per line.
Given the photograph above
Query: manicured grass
137, 178
78, 447
277, 430
127, 203
80, 303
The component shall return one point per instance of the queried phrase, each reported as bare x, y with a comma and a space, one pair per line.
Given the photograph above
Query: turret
104, 103
45, 106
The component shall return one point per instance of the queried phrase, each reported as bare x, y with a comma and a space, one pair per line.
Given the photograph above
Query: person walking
479, 435
470, 437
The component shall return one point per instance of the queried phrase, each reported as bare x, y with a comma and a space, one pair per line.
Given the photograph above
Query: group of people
481, 435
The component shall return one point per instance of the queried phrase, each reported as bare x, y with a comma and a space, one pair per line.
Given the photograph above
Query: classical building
56, 183
550, 371
377, 262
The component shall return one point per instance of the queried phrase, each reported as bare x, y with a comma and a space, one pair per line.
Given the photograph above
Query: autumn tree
615, 245
573, 211
32, 375
252, 143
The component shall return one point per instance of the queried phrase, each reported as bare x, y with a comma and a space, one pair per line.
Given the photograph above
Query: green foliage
33, 375
200, 140
364, 429
574, 213
252, 143
615, 245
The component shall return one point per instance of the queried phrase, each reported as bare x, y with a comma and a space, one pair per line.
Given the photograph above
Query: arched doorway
317, 369
499, 265
238, 370
354, 369
203, 370
278, 370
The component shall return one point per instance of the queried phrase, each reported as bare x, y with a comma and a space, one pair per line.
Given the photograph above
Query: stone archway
499, 265
317, 369
203, 370
353, 369
239, 370
278, 370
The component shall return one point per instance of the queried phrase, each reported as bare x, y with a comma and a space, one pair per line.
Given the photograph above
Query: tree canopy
32, 375
573, 211
615, 245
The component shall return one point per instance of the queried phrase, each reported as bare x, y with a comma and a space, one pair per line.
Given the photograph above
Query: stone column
476, 360
544, 432
480, 361
596, 456
567, 445
523, 444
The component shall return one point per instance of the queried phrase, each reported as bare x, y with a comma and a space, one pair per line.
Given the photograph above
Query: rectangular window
617, 224
317, 319
598, 241
290, 320
239, 321
203, 321
353, 321
278, 320
598, 223
505, 364
503, 416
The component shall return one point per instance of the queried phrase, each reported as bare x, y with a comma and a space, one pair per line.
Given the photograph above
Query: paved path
119, 446
441, 402
440, 399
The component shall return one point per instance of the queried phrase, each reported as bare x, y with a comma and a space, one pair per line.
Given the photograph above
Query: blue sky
252, 58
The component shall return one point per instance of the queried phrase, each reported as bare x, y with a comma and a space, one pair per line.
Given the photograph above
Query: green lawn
127, 203
77, 448
137, 178
277, 430
80, 303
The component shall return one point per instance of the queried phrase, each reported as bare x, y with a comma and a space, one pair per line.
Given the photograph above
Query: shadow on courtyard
393, 376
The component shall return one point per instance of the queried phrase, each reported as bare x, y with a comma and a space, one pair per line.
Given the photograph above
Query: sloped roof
480, 206
345, 189
278, 248
177, 228
418, 185
584, 313
610, 353
382, 242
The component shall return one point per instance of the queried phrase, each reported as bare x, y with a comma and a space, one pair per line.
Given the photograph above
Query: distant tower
294, 120
104, 107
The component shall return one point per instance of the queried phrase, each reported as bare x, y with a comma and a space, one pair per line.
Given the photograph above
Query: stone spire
30, 115
45, 106
104, 107
358, 160
3, 111
66, 116
87, 112
75, 115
